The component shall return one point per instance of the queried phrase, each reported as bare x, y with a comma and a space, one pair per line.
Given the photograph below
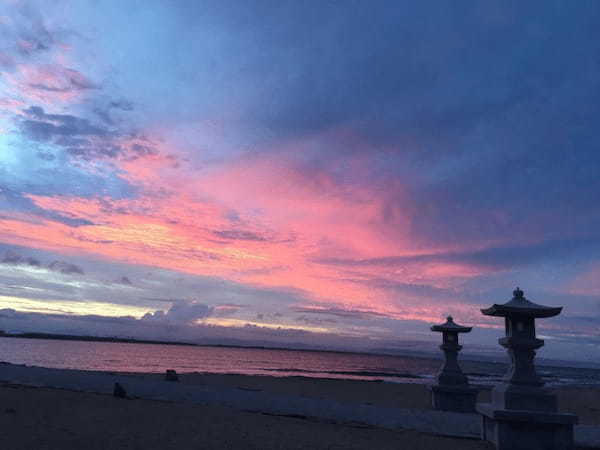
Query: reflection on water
121, 357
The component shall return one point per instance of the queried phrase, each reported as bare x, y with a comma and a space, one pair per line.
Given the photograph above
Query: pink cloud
286, 217
48, 83
585, 283
45, 78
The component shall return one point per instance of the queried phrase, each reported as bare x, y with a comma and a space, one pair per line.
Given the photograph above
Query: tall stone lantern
523, 415
452, 391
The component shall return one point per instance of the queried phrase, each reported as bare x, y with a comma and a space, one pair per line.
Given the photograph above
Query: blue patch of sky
42, 169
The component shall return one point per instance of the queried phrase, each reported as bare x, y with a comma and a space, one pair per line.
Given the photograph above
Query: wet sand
581, 400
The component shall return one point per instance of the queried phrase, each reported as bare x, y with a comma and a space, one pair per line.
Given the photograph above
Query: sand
49, 418
40, 418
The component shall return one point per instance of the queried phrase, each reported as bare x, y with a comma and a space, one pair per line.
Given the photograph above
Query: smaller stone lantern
452, 391
523, 415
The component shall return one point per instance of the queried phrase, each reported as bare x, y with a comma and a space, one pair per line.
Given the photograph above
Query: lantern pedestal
454, 398
522, 414
526, 430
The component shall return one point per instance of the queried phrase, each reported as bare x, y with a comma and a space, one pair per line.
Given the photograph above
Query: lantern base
460, 398
526, 430
529, 398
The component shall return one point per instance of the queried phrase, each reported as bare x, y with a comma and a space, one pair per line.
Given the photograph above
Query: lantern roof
520, 306
450, 325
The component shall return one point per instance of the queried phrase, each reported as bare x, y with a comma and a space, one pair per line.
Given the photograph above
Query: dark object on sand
119, 391
522, 414
171, 375
452, 391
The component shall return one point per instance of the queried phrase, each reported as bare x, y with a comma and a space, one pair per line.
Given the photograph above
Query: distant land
73, 337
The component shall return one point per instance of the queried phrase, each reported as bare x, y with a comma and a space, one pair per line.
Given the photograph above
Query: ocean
156, 358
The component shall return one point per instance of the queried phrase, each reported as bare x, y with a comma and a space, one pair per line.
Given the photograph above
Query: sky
324, 174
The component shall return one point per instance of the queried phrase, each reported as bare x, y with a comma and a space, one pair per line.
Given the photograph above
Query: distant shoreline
73, 337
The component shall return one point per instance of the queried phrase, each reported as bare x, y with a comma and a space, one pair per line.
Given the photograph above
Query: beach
56, 419
34, 416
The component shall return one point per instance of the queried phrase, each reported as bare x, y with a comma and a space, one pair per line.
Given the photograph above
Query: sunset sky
325, 173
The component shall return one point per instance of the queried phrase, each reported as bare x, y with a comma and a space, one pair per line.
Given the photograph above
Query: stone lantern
522, 413
452, 391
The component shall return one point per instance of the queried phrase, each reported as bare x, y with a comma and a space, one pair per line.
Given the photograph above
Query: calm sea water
121, 357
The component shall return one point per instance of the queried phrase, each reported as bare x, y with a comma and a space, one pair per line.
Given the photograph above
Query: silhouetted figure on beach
119, 391
171, 375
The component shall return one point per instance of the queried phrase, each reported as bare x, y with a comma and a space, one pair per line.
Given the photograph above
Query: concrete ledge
491, 411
